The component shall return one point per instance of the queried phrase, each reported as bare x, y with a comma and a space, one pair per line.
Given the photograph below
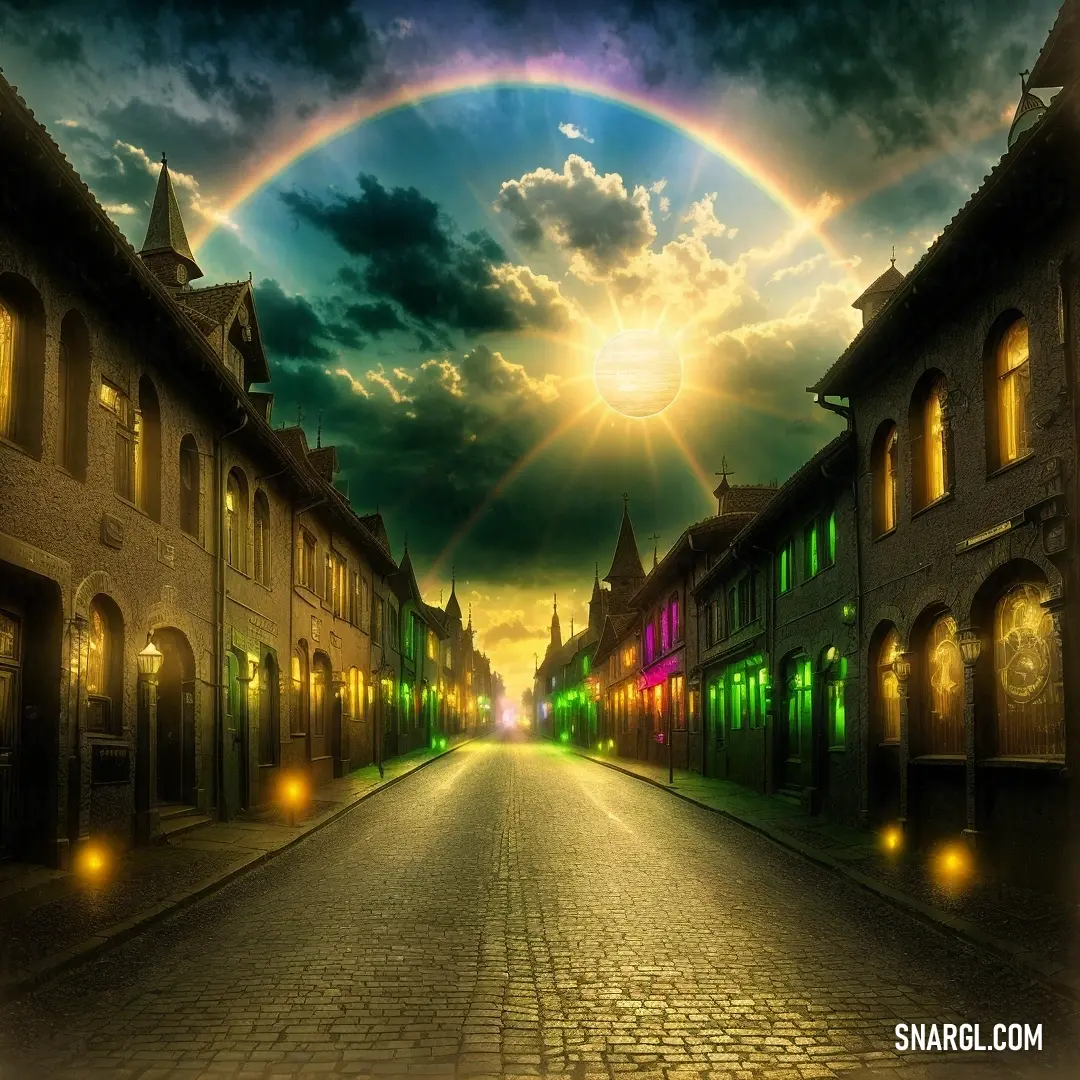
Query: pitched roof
626, 562
885, 283
990, 196
377, 527
165, 232
217, 302
1058, 57
453, 608
616, 629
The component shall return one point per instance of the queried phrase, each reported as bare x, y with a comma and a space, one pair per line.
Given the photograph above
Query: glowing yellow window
1014, 387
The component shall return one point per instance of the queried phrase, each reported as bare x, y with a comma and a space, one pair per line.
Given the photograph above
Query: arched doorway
794, 732
176, 768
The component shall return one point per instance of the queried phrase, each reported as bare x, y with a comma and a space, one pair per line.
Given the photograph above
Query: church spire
556, 629
166, 250
453, 608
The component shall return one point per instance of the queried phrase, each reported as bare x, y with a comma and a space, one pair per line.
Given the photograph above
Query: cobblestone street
514, 909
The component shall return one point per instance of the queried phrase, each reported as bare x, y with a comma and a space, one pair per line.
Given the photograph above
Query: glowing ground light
638, 373
892, 839
953, 865
564, 737
92, 863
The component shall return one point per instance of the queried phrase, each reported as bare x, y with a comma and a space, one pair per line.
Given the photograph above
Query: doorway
795, 730
235, 750
176, 766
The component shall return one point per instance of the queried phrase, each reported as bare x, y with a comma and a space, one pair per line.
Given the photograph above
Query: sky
451, 209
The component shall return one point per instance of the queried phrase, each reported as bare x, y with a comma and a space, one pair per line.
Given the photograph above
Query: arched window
929, 452
1008, 390
320, 697
888, 688
942, 704
886, 478
148, 451
22, 363
236, 507
665, 630
105, 667
269, 713
676, 627
262, 538
835, 668
1029, 705
189, 485
74, 394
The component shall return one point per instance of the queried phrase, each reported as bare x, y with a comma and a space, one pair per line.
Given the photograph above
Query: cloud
572, 131
410, 255
703, 221
590, 216
511, 632
290, 326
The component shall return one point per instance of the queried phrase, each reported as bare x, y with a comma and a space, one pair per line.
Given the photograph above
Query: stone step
176, 824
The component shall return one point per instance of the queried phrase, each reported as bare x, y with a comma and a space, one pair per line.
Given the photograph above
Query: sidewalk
1029, 930
51, 920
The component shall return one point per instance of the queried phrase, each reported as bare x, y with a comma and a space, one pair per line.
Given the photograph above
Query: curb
1054, 976
44, 969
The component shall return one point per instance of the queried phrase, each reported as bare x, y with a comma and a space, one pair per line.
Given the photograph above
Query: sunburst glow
638, 373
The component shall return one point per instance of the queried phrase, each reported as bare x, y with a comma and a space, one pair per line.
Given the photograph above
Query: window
337, 576
148, 451
941, 728
785, 566
365, 604
710, 624
431, 646
665, 631
678, 704
105, 667
320, 700
74, 393
829, 528
716, 709
810, 550
1030, 710
886, 478
798, 705
738, 700
354, 598
410, 637
299, 699
262, 539
676, 627
929, 452
236, 510
189, 486
743, 602
380, 615
307, 554
888, 689
326, 583
650, 642
354, 694
733, 610
1013, 378
269, 718
118, 403
392, 632
835, 710
22, 363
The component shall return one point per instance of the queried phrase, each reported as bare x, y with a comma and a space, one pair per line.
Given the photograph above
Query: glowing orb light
892, 839
92, 863
638, 373
953, 865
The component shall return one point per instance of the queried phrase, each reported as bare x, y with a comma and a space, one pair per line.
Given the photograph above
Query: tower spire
166, 250
655, 538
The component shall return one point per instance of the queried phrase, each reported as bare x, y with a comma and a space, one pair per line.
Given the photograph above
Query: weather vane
724, 472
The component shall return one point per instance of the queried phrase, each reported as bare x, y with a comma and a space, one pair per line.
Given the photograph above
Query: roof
165, 232
804, 480
616, 629
884, 284
626, 562
217, 302
453, 608
377, 527
65, 190
1058, 57
844, 373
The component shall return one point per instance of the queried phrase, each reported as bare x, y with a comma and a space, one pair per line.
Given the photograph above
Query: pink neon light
659, 672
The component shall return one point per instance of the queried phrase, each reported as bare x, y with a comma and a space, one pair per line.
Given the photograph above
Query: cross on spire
892, 261
625, 499
724, 472
318, 436
655, 538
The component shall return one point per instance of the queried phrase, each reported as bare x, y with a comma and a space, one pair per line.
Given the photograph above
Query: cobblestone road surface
514, 910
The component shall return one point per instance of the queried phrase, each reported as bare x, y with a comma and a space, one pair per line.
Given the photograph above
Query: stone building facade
187, 604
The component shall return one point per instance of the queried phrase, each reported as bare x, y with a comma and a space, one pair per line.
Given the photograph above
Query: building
670, 679
187, 603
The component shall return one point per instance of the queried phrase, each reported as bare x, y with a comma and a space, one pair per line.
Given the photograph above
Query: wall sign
110, 764
112, 531
659, 672
987, 535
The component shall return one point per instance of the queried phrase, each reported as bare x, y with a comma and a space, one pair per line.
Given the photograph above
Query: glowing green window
738, 700
784, 581
810, 549
834, 700
830, 543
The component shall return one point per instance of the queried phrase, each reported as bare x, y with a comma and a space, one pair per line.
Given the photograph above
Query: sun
638, 373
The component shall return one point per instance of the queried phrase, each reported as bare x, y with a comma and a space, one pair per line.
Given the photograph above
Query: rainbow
323, 129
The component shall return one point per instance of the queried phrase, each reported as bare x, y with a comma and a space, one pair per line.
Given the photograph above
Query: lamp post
149, 660
902, 670
970, 644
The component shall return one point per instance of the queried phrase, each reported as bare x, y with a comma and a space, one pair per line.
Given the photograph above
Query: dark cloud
249, 98
328, 39
290, 326
411, 255
60, 45
374, 318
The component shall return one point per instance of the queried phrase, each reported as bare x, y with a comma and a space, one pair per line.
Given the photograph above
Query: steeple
655, 538
556, 629
453, 608
626, 570
166, 250
720, 494
597, 605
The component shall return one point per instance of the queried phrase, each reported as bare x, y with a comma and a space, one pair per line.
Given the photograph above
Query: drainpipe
219, 614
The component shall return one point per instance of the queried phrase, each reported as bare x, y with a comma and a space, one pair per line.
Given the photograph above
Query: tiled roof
1058, 54
217, 302
626, 562
165, 231
888, 282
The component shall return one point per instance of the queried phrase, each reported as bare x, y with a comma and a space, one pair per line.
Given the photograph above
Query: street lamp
149, 659
970, 645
